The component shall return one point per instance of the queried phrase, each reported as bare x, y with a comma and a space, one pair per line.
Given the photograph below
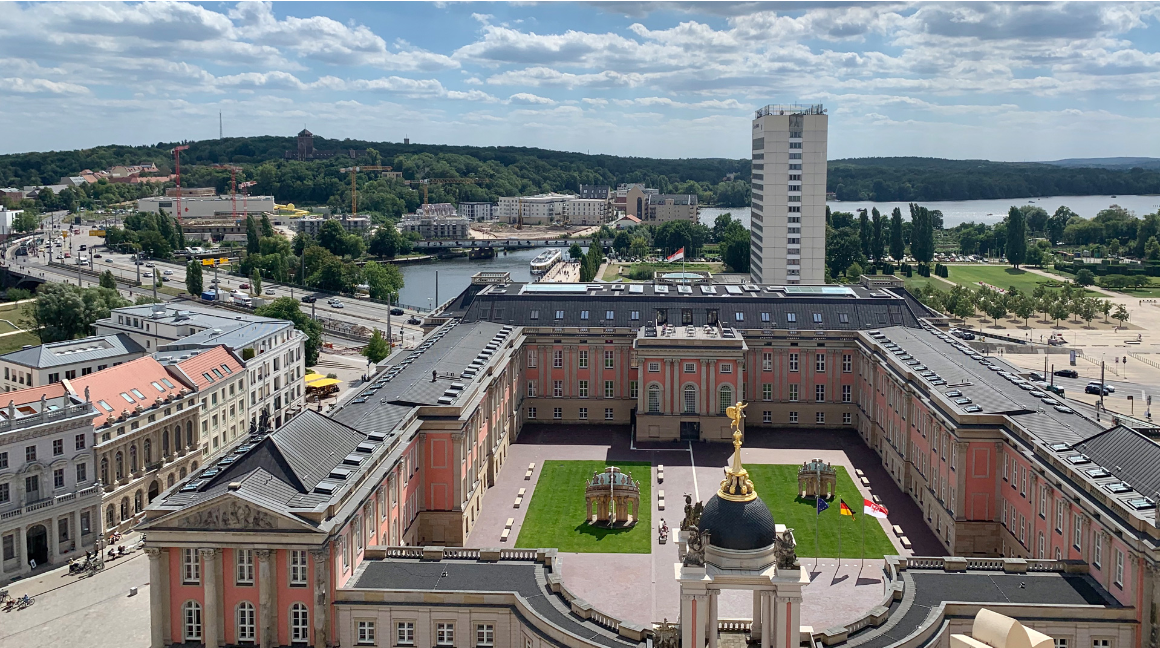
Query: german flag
843, 509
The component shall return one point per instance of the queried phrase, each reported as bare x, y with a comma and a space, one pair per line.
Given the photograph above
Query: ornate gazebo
817, 478
613, 498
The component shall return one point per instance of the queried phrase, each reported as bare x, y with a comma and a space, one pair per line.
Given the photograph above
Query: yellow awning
311, 377
325, 382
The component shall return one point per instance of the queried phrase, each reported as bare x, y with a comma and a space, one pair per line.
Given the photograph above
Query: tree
842, 249
922, 240
383, 243
1024, 307
854, 271
1085, 277
1016, 237
621, 244
267, 226
575, 251
383, 280
63, 311
1059, 311
377, 349
193, 278
1152, 249
865, 233
26, 221
1088, 309
255, 283
1105, 307
1120, 314
1057, 223
878, 239
1034, 256
897, 247
735, 252
286, 308
108, 280
721, 225
252, 236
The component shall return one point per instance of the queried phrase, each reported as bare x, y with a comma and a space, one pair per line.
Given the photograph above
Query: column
755, 623
211, 616
691, 624
157, 597
53, 544
712, 629
793, 607
267, 598
767, 625
320, 558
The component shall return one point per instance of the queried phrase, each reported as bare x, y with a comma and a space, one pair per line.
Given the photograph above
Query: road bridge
510, 243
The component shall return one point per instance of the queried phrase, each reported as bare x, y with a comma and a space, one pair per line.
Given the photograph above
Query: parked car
96, 256
309, 299
269, 291
963, 335
1067, 373
108, 260
150, 265
334, 303
396, 311
1094, 388
1035, 375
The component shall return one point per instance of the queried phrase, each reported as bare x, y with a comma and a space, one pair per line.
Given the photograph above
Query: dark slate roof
932, 588
741, 526
90, 349
1128, 455
525, 579
761, 307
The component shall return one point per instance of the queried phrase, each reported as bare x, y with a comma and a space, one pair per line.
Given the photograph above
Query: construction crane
177, 169
428, 181
353, 190
246, 194
233, 186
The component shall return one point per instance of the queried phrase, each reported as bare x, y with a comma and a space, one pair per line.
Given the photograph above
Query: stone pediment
231, 513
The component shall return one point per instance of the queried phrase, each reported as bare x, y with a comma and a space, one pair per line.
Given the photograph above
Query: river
979, 211
455, 274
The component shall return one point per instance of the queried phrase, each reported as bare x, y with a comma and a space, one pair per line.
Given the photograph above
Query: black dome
741, 526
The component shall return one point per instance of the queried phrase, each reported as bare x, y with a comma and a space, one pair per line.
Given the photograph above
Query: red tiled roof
210, 362
33, 394
141, 381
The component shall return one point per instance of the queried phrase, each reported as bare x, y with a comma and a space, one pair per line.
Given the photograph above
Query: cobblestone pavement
642, 587
94, 612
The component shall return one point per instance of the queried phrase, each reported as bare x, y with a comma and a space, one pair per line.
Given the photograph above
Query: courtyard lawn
777, 486
556, 515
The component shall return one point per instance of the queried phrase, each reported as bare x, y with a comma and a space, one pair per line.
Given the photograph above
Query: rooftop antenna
219, 124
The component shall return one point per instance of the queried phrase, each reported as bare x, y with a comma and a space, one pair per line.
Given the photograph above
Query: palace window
191, 614
366, 633
299, 624
793, 362
246, 627
405, 633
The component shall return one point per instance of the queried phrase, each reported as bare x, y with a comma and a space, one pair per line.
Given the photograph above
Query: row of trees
157, 235
869, 237
1069, 300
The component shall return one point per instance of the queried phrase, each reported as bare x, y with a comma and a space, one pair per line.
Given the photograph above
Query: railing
991, 564
918, 562
405, 552
602, 619
517, 554
460, 553
1146, 361
734, 625
51, 415
42, 504
37, 505
1046, 565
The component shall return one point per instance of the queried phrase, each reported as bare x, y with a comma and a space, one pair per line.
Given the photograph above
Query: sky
1000, 81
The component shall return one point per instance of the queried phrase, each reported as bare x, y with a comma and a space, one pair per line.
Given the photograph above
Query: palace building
327, 531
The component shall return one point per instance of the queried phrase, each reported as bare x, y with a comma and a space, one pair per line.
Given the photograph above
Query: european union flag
822, 505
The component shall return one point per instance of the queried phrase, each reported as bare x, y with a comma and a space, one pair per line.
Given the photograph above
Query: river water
455, 274
979, 211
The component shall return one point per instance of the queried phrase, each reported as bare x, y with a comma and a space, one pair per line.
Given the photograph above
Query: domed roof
741, 526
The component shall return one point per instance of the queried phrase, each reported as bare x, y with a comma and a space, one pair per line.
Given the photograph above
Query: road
354, 312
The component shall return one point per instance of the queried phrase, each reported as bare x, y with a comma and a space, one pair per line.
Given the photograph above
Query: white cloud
530, 99
29, 86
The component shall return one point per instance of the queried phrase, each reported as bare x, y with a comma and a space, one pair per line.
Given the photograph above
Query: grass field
777, 486
556, 514
1001, 276
14, 342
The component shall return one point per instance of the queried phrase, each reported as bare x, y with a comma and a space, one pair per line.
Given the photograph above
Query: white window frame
484, 635
245, 618
405, 633
190, 567
191, 621
298, 566
299, 619
444, 634
244, 566
365, 633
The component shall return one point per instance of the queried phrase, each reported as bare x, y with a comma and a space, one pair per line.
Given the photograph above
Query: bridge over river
510, 243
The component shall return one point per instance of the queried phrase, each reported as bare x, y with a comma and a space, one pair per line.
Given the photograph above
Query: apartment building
220, 379
586, 211
788, 205
272, 350
207, 206
353, 224
476, 211
50, 500
632, 199
541, 209
144, 434
35, 366
662, 208
436, 227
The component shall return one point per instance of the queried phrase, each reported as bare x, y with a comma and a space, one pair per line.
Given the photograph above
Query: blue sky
1003, 81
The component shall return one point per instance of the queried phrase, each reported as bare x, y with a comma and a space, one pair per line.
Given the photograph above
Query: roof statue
736, 487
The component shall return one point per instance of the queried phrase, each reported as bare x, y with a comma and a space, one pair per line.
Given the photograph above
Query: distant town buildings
541, 209
586, 211
207, 206
632, 199
436, 226
476, 211
788, 222
313, 226
7, 218
594, 191
662, 208
306, 151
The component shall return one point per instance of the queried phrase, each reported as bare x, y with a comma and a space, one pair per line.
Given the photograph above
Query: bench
509, 524
504, 536
897, 530
858, 471
905, 542
519, 499
877, 500
531, 469
660, 473
865, 482
522, 491
661, 500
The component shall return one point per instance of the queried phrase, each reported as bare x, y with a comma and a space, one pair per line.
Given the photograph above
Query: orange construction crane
246, 194
353, 190
177, 169
427, 181
233, 186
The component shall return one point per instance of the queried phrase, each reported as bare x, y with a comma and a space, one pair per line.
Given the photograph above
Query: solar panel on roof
733, 290
636, 289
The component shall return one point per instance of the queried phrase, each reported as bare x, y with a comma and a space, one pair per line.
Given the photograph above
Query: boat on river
545, 261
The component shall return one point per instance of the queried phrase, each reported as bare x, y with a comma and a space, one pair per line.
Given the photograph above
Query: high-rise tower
788, 218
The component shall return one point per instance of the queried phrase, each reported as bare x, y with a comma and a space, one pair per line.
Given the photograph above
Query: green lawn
777, 486
9, 343
556, 514
1001, 276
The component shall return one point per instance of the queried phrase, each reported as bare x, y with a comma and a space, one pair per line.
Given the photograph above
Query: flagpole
840, 504
863, 562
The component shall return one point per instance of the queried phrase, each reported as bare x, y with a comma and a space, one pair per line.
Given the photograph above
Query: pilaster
158, 598
267, 598
211, 620
320, 558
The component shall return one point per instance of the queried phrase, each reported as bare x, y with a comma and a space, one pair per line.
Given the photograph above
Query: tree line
1071, 300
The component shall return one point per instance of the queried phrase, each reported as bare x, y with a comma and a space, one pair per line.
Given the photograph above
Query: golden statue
736, 486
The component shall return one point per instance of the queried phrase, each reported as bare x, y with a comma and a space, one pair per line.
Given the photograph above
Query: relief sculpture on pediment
235, 515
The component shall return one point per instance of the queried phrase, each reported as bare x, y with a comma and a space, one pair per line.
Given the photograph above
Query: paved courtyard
643, 587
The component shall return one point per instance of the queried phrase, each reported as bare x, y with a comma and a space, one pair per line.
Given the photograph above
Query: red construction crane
177, 169
246, 194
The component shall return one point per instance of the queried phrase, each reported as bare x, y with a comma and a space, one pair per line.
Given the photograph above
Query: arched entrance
38, 544
154, 489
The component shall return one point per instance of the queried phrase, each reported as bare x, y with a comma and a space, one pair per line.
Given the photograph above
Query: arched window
690, 399
138, 502
133, 458
193, 467
299, 624
189, 435
177, 438
654, 398
246, 625
191, 614
182, 472
165, 442
726, 395
148, 446
169, 480
119, 464
105, 470
110, 516
125, 509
